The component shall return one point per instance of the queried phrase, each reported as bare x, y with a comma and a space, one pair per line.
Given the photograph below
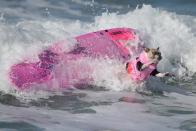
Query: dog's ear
157, 48
146, 49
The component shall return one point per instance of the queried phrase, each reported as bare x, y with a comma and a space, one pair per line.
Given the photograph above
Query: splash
157, 27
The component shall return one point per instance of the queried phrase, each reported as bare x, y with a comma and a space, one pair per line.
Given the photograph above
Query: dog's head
153, 53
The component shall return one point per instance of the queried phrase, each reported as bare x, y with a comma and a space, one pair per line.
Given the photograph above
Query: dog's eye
157, 53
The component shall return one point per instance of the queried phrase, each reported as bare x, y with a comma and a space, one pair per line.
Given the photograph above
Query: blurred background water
28, 26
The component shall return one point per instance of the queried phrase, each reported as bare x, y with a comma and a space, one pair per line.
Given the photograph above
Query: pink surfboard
105, 43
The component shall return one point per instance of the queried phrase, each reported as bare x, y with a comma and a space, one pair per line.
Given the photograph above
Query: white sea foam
175, 34
171, 32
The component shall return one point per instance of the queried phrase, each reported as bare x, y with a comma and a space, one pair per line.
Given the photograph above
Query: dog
145, 65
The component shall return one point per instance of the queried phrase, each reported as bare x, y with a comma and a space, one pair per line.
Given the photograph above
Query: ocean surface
168, 104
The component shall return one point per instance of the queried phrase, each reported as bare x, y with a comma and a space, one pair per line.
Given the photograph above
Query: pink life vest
137, 75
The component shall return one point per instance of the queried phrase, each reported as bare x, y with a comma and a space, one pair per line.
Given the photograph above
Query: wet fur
153, 53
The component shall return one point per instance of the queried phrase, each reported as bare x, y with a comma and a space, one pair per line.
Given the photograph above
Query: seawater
27, 27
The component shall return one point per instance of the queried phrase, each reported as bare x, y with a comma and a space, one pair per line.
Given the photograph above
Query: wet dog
145, 65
